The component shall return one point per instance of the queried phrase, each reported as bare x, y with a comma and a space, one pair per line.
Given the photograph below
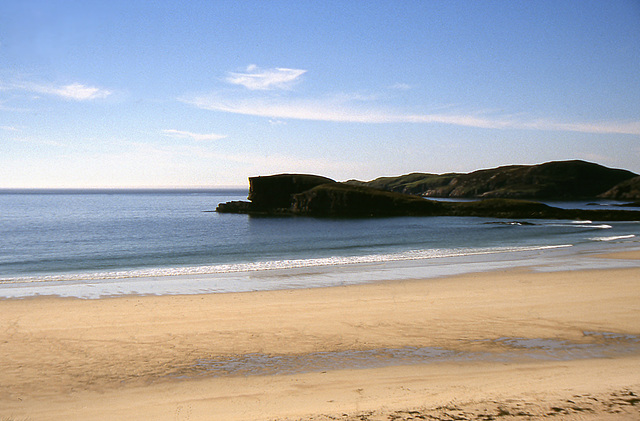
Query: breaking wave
613, 238
276, 264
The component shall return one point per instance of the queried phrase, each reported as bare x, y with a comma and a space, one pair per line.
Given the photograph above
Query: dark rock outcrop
565, 180
235, 206
274, 193
342, 200
327, 198
627, 190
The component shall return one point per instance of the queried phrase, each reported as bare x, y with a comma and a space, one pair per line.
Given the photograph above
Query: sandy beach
500, 345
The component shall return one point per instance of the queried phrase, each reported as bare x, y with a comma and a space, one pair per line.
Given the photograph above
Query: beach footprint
183, 413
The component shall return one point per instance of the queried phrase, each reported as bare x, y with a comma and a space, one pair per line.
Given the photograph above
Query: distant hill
627, 190
560, 180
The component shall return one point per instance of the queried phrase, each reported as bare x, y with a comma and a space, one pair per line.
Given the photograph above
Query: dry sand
182, 357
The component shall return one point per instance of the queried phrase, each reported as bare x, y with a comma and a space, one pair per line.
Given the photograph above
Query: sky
139, 94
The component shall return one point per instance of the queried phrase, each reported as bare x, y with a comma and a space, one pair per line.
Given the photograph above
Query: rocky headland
558, 180
312, 195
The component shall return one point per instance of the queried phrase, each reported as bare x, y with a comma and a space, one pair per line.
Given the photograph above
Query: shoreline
145, 357
538, 258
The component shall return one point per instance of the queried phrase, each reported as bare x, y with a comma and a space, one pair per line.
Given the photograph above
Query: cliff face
564, 180
276, 191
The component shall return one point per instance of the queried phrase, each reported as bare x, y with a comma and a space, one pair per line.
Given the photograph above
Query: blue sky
207, 93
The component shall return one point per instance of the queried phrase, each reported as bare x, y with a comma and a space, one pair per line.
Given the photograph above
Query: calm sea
97, 243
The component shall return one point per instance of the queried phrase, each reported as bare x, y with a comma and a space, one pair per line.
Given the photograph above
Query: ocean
97, 243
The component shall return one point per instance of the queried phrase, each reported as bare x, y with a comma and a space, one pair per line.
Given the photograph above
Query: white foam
613, 238
277, 264
584, 224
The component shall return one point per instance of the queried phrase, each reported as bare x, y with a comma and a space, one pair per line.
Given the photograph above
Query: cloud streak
181, 134
343, 110
73, 91
255, 78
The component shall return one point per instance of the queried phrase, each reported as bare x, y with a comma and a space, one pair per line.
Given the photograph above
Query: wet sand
499, 345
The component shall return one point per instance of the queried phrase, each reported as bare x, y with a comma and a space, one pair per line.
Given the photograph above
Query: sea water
94, 243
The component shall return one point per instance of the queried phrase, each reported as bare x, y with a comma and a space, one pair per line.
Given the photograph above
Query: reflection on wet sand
504, 349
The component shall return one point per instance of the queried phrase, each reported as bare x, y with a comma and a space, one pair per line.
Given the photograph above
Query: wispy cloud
327, 109
614, 127
369, 108
190, 135
400, 86
73, 91
255, 78
10, 128
343, 108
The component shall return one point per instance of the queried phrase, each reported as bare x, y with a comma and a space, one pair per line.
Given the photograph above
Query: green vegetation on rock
627, 190
564, 180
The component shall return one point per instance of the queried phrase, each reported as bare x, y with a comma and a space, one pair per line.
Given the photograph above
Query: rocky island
502, 193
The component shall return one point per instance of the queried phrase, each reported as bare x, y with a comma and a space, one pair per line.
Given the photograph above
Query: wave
583, 224
276, 264
613, 238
